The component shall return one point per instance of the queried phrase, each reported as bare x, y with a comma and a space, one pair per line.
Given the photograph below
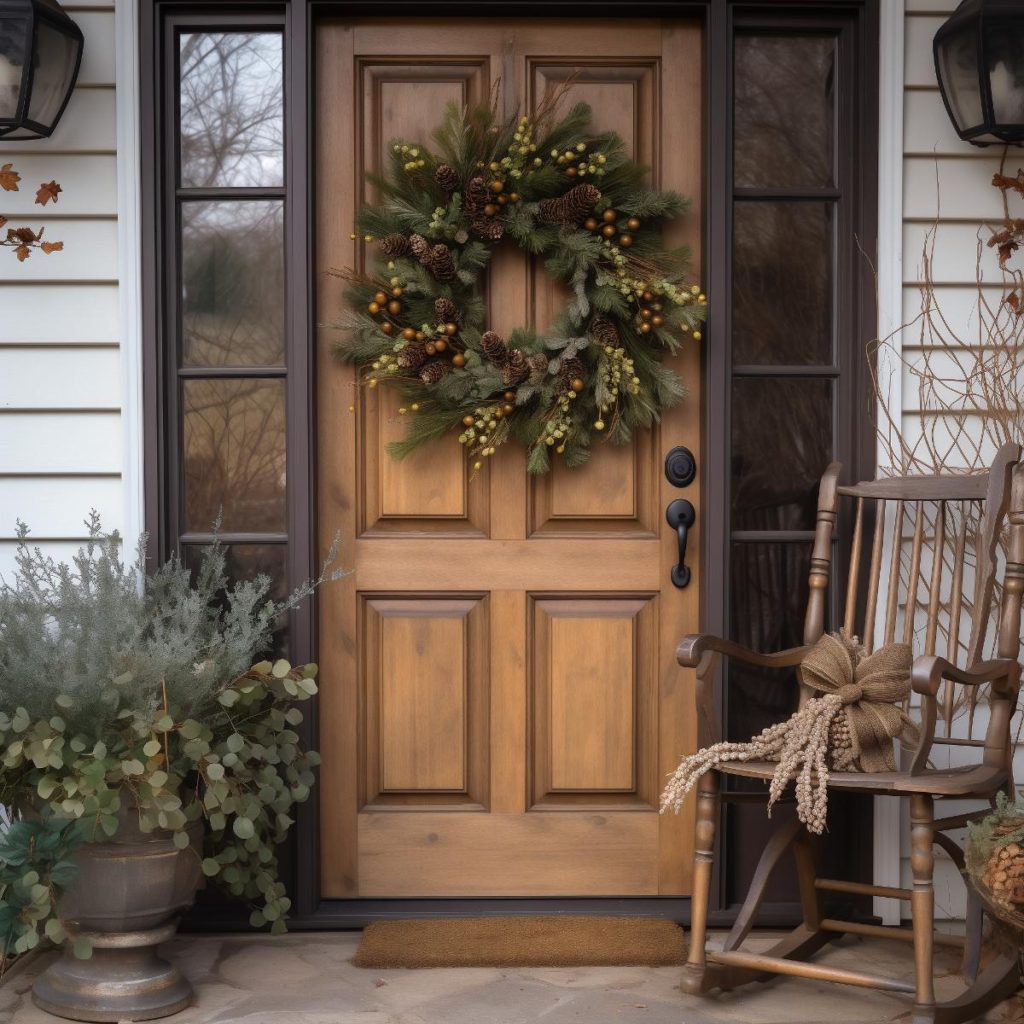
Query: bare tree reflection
232, 110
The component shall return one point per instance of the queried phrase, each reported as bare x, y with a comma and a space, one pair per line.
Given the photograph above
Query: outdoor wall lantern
979, 62
40, 53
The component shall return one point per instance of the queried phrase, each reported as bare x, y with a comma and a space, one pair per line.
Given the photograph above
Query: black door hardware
680, 467
680, 515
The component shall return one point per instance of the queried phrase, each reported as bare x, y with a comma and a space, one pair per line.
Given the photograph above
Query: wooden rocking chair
935, 517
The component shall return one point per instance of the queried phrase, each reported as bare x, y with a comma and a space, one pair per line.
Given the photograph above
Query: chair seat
972, 780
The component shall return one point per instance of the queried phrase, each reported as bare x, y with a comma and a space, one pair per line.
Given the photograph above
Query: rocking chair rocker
936, 518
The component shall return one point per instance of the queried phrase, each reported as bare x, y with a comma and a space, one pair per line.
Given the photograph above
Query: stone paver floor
309, 979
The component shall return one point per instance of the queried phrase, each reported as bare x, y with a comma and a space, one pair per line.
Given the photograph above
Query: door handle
681, 516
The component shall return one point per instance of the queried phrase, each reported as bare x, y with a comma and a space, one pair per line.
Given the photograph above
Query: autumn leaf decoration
22, 239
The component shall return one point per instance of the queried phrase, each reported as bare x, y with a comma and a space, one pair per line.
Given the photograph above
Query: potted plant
141, 749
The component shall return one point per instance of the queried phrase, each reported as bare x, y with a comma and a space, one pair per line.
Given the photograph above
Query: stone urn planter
126, 900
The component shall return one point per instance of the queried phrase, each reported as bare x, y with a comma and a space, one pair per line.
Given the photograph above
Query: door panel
500, 699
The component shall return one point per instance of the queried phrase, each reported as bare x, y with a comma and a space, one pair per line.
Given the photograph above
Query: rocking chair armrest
929, 671
693, 647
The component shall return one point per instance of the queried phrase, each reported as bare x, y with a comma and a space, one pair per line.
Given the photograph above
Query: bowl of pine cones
995, 861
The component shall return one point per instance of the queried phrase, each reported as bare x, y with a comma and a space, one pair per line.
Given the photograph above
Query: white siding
60, 375
945, 181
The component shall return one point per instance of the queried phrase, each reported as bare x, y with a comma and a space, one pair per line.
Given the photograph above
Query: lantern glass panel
958, 65
14, 45
1004, 51
56, 54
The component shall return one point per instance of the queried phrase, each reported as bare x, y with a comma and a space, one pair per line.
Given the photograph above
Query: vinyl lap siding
60, 379
945, 181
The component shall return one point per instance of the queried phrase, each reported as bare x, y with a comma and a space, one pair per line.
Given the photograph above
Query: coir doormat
522, 942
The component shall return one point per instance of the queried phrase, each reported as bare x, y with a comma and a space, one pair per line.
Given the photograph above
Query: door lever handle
680, 515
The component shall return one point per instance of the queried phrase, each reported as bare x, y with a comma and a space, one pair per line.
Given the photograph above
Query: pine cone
393, 246
538, 364
604, 331
446, 312
488, 227
572, 368
572, 208
419, 247
515, 370
441, 262
447, 178
413, 355
494, 347
477, 196
433, 371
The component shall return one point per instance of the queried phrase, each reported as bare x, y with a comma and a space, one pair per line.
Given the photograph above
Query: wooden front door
500, 699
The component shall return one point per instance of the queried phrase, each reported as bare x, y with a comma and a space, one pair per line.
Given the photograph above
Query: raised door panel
429, 490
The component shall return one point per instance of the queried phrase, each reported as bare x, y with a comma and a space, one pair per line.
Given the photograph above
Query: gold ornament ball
502, 200
380, 298
510, 396
409, 334
633, 223
645, 328
468, 421
697, 335
451, 329
507, 408
599, 425
571, 172
387, 327
396, 292
458, 359
658, 320
577, 385
513, 197
609, 216
645, 314
490, 210
497, 186
608, 231
590, 224
373, 308
440, 345
420, 336
394, 307
625, 241
430, 348
647, 296
494, 165
498, 415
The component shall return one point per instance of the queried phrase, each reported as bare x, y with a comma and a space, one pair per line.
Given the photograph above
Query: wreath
567, 195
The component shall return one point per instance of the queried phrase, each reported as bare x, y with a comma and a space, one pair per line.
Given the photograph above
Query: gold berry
571, 172
502, 200
513, 197
647, 296
387, 327
590, 223
451, 329
510, 396
420, 336
394, 307
609, 216
645, 328
397, 292
608, 231
380, 298
697, 335
633, 223
490, 210
599, 425
658, 320
373, 308
409, 334
440, 345
645, 314
460, 360
497, 186
577, 385
430, 348
625, 241
507, 408
468, 421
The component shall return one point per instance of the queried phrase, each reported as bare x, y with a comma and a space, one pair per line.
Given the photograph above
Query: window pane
785, 111
768, 598
232, 109
781, 444
245, 562
782, 283
232, 290
234, 448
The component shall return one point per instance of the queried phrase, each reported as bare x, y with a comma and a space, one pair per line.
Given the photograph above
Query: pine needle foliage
571, 197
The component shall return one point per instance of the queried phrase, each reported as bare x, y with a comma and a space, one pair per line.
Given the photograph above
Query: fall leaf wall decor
23, 239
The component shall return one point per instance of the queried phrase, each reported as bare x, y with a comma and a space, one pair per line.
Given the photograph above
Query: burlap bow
871, 687
852, 725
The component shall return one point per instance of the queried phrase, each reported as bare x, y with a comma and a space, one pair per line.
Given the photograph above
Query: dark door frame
297, 20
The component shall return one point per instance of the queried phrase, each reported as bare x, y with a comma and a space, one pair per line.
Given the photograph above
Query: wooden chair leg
694, 980
922, 905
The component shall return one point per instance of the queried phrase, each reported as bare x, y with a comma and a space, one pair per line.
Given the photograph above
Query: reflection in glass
958, 64
232, 110
785, 111
1004, 49
14, 41
768, 598
246, 562
782, 283
232, 293
234, 454
54, 64
781, 444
